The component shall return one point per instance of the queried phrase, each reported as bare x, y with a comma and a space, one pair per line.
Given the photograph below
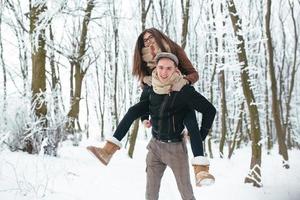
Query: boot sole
95, 154
205, 182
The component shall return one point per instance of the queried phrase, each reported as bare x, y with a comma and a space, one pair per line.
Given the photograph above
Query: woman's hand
148, 53
177, 86
147, 123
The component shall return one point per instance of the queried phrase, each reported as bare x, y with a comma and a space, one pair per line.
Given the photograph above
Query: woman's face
148, 39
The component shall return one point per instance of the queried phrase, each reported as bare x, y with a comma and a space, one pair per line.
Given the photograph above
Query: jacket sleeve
186, 67
196, 101
145, 97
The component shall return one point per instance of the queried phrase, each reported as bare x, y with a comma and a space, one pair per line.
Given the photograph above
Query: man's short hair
166, 55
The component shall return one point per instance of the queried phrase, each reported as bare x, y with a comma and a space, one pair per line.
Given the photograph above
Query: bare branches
19, 20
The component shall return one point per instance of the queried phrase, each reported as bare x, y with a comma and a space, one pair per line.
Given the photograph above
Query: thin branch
16, 15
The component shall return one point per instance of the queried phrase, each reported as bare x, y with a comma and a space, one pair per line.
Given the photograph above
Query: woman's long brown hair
140, 68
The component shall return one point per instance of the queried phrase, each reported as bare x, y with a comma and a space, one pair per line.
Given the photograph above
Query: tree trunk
38, 84
38, 57
21, 32
54, 76
102, 111
287, 125
70, 123
116, 58
55, 134
268, 120
223, 88
185, 21
4, 75
145, 12
87, 111
254, 175
73, 114
212, 79
281, 68
133, 137
162, 16
269, 132
275, 104
237, 130
211, 100
135, 130
223, 113
222, 85
101, 104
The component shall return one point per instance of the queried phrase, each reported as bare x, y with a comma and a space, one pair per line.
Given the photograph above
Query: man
166, 148
167, 109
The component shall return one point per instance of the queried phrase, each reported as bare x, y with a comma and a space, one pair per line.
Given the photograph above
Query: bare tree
103, 77
4, 109
209, 58
254, 176
115, 24
221, 74
101, 90
77, 61
87, 110
237, 131
275, 103
133, 137
20, 32
185, 10
283, 67
287, 125
163, 15
144, 11
134, 132
55, 78
38, 58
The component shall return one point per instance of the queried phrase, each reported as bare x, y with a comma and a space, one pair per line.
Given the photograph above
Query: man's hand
147, 123
177, 86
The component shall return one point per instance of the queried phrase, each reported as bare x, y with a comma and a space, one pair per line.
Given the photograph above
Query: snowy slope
77, 175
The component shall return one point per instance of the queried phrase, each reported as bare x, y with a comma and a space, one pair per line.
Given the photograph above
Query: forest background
66, 71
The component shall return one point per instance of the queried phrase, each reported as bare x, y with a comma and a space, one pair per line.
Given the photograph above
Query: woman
149, 43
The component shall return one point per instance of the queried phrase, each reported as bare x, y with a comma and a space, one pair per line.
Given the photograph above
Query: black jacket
168, 111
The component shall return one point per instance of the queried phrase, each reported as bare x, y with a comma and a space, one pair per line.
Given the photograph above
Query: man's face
165, 68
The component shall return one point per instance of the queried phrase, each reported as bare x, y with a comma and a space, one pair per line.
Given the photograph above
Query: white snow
77, 175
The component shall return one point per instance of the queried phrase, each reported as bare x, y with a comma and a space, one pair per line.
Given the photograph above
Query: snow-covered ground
77, 175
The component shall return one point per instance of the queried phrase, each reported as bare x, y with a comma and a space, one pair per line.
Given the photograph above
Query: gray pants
161, 155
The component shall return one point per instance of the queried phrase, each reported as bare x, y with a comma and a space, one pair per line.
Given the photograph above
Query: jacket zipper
173, 124
173, 117
161, 112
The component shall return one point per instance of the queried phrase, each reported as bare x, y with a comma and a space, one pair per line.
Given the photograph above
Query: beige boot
201, 169
104, 154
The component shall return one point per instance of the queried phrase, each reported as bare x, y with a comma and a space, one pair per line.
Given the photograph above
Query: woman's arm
186, 67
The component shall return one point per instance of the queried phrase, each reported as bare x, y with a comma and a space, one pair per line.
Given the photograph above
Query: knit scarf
165, 88
149, 53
